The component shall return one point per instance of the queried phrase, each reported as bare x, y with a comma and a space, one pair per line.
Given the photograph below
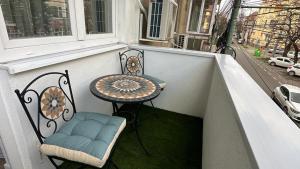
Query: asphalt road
268, 77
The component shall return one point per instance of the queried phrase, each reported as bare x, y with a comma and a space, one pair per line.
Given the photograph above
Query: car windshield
295, 97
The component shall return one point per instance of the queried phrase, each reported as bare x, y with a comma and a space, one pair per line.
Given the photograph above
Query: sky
247, 2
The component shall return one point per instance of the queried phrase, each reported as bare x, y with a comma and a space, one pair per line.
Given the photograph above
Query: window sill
14, 54
18, 66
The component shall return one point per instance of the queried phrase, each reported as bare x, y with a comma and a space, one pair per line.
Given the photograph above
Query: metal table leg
136, 128
133, 121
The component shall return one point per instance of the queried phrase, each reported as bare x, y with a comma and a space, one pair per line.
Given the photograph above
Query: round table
126, 89
120, 88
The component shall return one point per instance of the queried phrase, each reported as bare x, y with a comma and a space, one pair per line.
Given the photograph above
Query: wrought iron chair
65, 134
132, 63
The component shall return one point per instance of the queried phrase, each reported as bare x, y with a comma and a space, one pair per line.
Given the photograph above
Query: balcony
240, 126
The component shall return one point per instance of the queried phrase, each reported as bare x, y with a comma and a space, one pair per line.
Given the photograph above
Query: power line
272, 7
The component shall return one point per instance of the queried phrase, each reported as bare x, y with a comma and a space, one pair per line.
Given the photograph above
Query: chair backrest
132, 62
51, 105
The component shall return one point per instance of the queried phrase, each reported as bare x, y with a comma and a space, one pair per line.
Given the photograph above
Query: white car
294, 70
288, 97
240, 41
280, 61
291, 54
278, 51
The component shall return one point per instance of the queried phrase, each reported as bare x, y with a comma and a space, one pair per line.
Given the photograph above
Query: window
194, 15
36, 22
284, 91
297, 67
161, 19
36, 18
156, 11
280, 59
98, 16
200, 16
286, 60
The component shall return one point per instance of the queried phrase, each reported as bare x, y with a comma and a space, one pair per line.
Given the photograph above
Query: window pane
98, 16
36, 18
207, 13
194, 17
156, 13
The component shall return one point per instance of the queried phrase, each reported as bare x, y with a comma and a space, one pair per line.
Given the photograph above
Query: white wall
223, 143
128, 21
188, 77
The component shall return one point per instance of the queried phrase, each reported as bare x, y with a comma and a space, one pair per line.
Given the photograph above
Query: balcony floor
2, 162
174, 141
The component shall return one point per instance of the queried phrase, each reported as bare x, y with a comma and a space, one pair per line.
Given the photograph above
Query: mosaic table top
125, 88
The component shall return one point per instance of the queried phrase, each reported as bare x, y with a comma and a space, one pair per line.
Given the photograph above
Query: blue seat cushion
161, 83
87, 138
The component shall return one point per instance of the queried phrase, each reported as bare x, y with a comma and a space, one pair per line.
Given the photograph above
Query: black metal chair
132, 62
65, 134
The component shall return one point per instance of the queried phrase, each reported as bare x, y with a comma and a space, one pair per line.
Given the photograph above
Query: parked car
240, 41
278, 51
288, 97
291, 54
280, 61
294, 70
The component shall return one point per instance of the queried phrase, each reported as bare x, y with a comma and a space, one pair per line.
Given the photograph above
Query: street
268, 77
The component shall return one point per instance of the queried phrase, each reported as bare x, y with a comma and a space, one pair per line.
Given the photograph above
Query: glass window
295, 97
284, 91
280, 59
207, 15
98, 16
155, 22
194, 16
36, 18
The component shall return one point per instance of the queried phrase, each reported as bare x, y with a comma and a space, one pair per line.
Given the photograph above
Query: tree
288, 28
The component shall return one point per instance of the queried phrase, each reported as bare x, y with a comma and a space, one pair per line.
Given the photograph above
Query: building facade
272, 24
184, 24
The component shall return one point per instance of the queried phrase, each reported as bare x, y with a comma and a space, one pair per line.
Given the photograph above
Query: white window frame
200, 18
166, 20
77, 22
81, 21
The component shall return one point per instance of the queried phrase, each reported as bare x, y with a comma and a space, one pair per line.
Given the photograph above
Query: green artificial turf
173, 140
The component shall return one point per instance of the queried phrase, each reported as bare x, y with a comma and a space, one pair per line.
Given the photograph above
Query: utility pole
232, 22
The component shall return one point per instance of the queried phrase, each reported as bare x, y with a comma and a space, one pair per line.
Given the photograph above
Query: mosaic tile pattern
53, 102
126, 87
133, 64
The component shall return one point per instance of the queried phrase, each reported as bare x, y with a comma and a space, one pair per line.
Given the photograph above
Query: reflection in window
194, 16
206, 18
98, 16
36, 18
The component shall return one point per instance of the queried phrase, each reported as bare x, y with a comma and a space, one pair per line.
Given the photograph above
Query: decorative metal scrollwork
133, 64
51, 103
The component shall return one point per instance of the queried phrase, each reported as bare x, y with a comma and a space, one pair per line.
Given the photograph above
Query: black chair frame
124, 61
26, 99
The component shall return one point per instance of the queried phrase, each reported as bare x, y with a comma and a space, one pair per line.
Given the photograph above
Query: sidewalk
251, 51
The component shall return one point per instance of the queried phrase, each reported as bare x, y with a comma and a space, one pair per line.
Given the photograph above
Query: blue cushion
161, 83
90, 133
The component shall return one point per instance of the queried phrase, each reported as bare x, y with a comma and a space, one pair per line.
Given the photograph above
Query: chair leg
52, 161
152, 103
115, 165
155, 113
